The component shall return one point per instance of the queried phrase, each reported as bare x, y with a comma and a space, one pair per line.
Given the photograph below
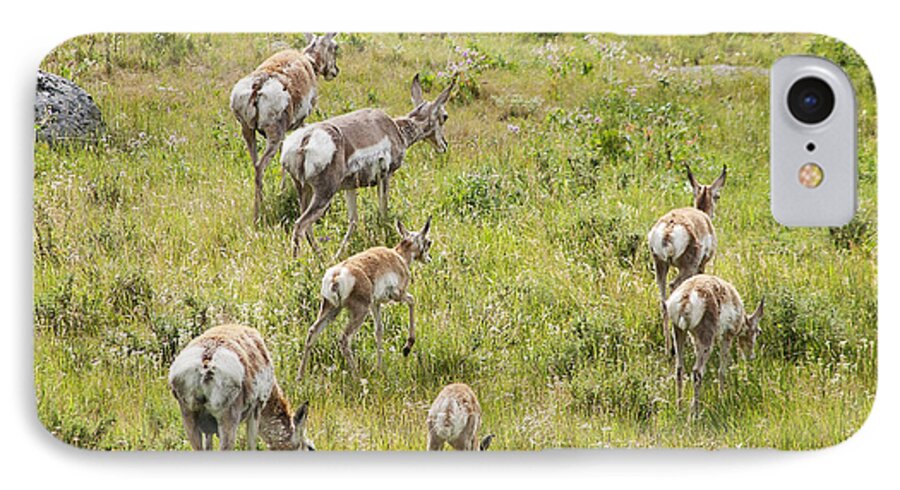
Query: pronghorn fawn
454, 418
224, 377
709, 309
360, 149
362, 283
278, 96
685, 238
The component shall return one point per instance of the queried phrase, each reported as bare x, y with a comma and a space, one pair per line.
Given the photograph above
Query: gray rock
64, 112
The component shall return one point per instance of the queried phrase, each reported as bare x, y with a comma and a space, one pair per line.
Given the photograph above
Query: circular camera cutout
810, 100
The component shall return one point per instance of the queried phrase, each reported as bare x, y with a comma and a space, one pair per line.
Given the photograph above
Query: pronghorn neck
276, 427
313, 57
406, 250
704, 202
409, 131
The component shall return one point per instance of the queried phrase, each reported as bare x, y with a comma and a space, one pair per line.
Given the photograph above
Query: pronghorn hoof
406, 349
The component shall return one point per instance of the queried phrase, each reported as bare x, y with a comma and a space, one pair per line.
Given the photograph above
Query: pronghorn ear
757, 315
716, 186
310, 38
442, 99
486, 442
427, 227
415, 91
300, 415
694, 185
402, 230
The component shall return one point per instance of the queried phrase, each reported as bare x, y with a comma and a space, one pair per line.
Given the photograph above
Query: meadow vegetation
564, 150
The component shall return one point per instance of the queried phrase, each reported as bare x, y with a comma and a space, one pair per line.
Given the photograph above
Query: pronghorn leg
192, 428
351, 211
250, 138
679, 335
384, 185
703, 351
207, 442
358, 314
411, 302
327, 314
253, 427
662, 269
304, 193
724, 359
228, 429
379, 333
317, 207
274, 137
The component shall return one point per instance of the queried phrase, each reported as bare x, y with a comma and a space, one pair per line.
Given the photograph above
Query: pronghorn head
416, 242
431, 116
747, 338
486, 442
706, 196
298, 438
324, 50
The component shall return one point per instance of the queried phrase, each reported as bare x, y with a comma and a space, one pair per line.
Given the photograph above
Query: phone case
513, 241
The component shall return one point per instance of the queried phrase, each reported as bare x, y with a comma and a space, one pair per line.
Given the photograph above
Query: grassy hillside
564, 150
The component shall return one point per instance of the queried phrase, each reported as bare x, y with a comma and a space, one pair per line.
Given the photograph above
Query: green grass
540, 294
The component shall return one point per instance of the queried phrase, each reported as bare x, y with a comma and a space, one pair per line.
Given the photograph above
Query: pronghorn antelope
362, 283
224, 377
454, 418
359, 149
278, 96
710, 309
685, 238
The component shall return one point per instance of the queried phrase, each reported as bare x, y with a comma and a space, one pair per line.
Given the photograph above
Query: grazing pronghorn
224, 377
278, 96
685, 238
359, 149
362, 283
709, 309
454, 418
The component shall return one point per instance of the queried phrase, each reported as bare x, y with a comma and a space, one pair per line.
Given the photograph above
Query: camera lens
810, 100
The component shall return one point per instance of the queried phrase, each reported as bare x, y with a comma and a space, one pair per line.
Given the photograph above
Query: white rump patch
187, 376
227, 379
376, 157
679, 240
345, 281
271, 102
654, 239
669, 249
449, 419
240, 101
386, 286
316, 155
685, 316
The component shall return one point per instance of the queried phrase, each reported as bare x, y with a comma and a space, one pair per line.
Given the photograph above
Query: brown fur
295, 70
367, 268
456, 396
349, 133
716, 295
697, 223
279, 429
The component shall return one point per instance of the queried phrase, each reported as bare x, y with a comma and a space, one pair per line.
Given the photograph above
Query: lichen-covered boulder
64, 112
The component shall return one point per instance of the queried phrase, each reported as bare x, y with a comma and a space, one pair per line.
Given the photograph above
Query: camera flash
810, 175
